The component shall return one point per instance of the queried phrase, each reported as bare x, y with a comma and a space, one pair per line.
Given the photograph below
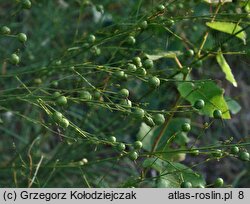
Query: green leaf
168, 181
170, 54
207, 91
226, 68
228, 27
172, 172
148, 135
233, 105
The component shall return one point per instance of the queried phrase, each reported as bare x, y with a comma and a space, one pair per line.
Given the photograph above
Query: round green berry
148, 64
137, 61
5, 30
158, 119
217, 153
219, 182
64, 123
149, 121
133, 155
138, 145
160, 7
131, 67
131, 40
186, 127
54, 83
139, 113
199, 104
244, 156
235, 150
195, 152
85, 95
119, 74
121, 147
143, 25
22, 37
38, 81
186, 184
190, 52
142, 71
57, 116
112, 139
217, 114
95, 50
154, 82
127, 103
26, 4
91, 38
124, 93
56, 94
97, 94
14, 59
61, 101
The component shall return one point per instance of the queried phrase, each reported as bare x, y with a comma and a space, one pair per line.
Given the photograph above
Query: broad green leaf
174, 127
207, 91
188, 174
233, 105
168, 181
228, 27
170, 54
226, 68
246, 5
171, 173
147, 136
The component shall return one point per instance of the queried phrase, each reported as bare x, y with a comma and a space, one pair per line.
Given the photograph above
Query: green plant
219, 182
124, 93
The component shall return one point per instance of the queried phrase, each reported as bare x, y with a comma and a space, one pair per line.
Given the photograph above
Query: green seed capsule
143, 25
186, 184
112, 139
5, 30
61, 101
14, 59
199, 104
138, 145
149, 121
219, 182
22, 37
148, 64
57, 116
131, 67
158, 119
186, 127
64, 123
217, 114
235, 150
121, 147
26, 4
131, 40
154, 82
160, 7
133, 155
124, 93
91, 39
139, 113
244, 156
85, 95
